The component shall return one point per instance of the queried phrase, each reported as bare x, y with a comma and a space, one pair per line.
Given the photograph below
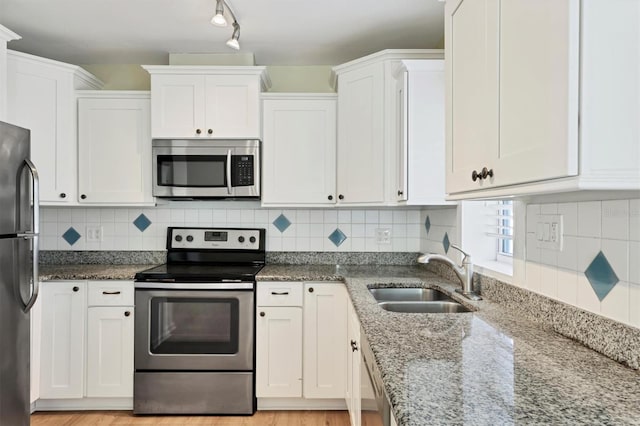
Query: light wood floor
125, 418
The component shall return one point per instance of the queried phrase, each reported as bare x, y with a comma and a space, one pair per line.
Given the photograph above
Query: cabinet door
110, 352
114, 151
299, 152
36, 336
177, 106
325, 331
539, 85
471, 52
63, 330
353, 366
232, 106
40, 98
279, 352
361, 136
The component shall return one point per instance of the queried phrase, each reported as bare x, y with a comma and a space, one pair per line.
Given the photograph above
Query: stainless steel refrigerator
19, 222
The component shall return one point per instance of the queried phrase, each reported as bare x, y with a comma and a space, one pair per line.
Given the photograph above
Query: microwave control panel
242, 167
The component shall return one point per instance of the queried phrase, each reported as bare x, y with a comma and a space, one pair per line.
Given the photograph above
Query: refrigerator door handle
34, 235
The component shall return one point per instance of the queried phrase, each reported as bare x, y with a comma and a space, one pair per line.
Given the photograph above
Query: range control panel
214, 238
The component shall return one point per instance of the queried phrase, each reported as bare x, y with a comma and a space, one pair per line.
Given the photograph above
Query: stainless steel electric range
195, 321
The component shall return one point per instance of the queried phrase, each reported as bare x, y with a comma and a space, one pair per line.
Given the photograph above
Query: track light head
219, 19
233, 42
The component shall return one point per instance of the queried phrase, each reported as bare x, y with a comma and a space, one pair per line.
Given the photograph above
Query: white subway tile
220, 217
328, 245
274, 244
233, 215
316, 216
587, 298
177, 216
569, 213
399, 244
385, 216
549, 208
346, 229
191, 216
290, 232
330, 216
370, 230
533, 276
288, 244
262, 217
634, 262
617, 253
132, 214
590, 219
64, 215
413, 244
357, 244
151, 214
532, 253
302, 244
634, 220
303, 216
50, 243
371, 216
316, 230
247, 217
357, 216
399, 230
316, 243
163, 215
135, 243
413, 216
568, 286
50, 229
549, 257
568, 257
370, 244
533, 211
274, 214
108, 229
358, 230
588, 249
400, 217
344, 216
634, 305
205, 216
302, 230
616, 304
615, 219
549, 281
50, 214
93, 215
78, 215
121, 230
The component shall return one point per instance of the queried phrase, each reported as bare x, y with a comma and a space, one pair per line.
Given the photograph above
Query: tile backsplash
287, 230
598, 267
439, 230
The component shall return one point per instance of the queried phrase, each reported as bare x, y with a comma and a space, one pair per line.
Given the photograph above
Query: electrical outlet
383, 235
549, 232
94, 234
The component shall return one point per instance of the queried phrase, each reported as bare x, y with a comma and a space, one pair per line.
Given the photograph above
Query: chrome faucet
464, 271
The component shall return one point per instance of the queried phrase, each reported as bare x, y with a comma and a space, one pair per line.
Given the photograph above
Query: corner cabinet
41, 97
300, 355
370, 130
206, 101
299, 149
531, 107
114, 148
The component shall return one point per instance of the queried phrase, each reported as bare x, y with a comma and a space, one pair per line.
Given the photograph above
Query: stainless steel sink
407, 294
440, 307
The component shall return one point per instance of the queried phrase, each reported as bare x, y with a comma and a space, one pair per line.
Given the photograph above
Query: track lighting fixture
221, 21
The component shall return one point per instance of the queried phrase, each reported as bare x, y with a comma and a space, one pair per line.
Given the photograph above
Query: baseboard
301, 404
83, 404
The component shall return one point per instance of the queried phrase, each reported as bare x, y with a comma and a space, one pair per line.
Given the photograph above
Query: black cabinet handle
210, 131
84, 197
486, 173
281, 293
341, 197
475, 176
330, 197
127, 313
310, 289
354, 346
198, 131
400, 193
76, 288
110, 292
262, 314
63, 195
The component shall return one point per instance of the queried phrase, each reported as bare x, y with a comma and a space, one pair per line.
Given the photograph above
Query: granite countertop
487, 367
90, 272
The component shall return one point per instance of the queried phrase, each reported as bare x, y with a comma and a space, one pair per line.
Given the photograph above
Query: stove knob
241, 239
189, 238
178, 238
252, 239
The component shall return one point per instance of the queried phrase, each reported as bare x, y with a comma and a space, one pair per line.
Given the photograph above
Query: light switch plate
383, 235
549, 232
94, 234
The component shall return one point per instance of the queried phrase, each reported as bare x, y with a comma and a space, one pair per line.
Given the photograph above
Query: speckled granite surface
54, 257
89, 272
488, 367
342, 258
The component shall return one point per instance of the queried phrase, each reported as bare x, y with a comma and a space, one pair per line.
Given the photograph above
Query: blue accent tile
601, 276
427, 224
337, 237
71, 236
282, 223
446, 243
142, 222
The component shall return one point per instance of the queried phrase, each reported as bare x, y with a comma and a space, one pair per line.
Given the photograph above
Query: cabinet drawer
110, 293
280, 294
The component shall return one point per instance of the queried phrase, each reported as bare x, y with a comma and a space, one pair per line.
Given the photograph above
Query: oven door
191, 330
202, 169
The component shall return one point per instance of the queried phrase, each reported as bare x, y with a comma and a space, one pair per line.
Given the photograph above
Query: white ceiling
278, 32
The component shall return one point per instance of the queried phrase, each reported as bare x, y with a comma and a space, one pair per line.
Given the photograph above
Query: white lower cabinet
300, 353
86, 350
352, 345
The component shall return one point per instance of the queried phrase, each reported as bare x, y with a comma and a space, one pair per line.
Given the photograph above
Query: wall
120, 76
287, 230
611, 228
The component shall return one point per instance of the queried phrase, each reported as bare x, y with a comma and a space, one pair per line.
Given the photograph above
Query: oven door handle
195, 286
229, 172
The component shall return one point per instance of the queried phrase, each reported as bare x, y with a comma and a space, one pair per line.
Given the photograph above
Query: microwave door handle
34, 235
229, 172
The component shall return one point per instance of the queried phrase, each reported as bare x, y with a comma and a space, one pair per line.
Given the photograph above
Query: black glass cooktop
199, 273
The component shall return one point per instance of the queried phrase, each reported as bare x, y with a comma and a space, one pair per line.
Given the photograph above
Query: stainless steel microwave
206, 168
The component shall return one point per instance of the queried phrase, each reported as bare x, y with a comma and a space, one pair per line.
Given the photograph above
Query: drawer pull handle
127, 313
110, 292
354, 346
280, 293
262, 314
76, 288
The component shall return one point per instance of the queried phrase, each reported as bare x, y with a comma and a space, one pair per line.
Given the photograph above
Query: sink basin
440, 307
406, 294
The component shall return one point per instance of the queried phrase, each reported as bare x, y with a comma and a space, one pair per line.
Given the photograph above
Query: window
504, 237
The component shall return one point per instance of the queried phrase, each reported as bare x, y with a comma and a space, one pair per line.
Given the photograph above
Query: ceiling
278, 32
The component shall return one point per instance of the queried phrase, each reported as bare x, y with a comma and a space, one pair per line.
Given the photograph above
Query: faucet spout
464, 272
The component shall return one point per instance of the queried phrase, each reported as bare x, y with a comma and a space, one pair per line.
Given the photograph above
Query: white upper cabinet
6, 35
41, 98
299, 149
114, 148
531, 102
368, 157
206, 101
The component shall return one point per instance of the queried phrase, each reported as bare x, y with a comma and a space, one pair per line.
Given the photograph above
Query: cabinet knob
400, 193
210, 131
127, 313
330, 197
198, 131
84, 197
354, 346
475, 176
486, 173
76, 288
262, 314
310, 289
63, 195
341, 197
